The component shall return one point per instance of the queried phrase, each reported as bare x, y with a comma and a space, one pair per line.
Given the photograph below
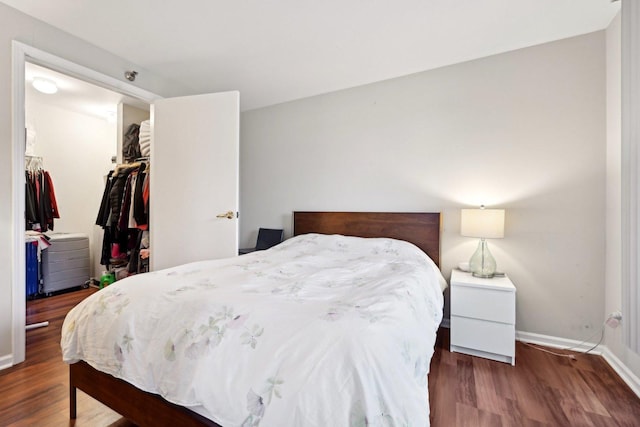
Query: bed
288, 336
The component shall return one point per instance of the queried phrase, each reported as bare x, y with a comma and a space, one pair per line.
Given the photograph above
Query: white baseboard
6, 361
557, 342
621, 369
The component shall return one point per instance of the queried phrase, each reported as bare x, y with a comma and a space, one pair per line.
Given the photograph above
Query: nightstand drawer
486, 304
491, 337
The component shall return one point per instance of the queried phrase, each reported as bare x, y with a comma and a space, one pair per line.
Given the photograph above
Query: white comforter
318, 331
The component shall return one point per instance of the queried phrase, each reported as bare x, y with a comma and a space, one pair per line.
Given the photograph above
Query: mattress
65, 264
319, 330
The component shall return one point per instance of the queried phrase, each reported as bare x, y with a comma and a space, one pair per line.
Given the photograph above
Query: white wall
524, 131
613, 291
15, 25
76, 150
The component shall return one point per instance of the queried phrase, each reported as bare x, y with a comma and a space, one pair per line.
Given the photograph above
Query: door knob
228, 215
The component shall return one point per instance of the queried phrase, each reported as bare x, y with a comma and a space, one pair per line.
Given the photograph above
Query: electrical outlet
614, 318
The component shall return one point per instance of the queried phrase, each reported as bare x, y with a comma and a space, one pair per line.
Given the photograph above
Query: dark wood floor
541, 390
36, 392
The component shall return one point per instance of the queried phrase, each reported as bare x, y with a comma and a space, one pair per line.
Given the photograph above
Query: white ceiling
277, 51
76, 95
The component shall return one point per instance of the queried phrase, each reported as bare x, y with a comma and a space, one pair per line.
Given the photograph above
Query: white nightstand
483, 317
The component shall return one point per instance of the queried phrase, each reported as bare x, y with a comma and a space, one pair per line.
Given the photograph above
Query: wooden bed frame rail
139, 407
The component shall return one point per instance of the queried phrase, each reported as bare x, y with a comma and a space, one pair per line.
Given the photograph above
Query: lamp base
482, 264
483, 276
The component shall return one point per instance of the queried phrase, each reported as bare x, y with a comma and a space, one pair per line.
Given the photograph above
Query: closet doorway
74, 136
194, 184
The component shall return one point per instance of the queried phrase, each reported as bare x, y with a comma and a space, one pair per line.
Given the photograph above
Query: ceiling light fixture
44, 85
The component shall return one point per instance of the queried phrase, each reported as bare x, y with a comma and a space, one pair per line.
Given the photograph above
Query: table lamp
485, 224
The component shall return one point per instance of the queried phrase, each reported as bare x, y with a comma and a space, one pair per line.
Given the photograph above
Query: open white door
194, 178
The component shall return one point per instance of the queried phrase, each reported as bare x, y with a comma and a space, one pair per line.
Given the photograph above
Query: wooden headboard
421, 229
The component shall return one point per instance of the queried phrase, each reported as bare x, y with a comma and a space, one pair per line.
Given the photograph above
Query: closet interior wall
76, 149
128, 115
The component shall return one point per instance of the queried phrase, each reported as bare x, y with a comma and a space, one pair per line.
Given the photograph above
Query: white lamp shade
482, 223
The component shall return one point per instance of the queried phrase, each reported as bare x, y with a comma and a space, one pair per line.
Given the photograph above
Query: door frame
22, 53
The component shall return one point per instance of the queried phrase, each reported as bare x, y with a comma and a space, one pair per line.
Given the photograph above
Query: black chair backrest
268, 237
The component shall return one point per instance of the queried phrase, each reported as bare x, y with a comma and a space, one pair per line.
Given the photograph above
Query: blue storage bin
32, 276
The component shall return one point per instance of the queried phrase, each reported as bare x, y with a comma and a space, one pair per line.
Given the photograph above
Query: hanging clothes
117, 193
52, 196
103, 213
41, 206
31, 202
123, 213
140, 211
109, 215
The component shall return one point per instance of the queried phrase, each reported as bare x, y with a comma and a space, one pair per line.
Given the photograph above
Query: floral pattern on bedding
319, 330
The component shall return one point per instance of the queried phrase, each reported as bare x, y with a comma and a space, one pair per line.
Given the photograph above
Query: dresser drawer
491, 337
485, 304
